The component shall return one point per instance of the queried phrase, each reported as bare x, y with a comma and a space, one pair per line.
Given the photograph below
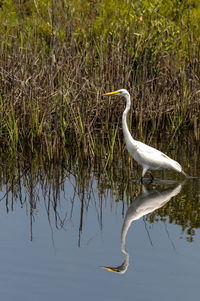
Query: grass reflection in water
32, 180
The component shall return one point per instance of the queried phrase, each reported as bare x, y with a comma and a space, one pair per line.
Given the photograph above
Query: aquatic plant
57, 57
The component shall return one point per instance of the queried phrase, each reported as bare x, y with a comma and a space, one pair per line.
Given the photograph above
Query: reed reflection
147, 202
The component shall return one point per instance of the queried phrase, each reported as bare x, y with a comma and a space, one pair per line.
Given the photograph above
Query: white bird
148, 157
148, 201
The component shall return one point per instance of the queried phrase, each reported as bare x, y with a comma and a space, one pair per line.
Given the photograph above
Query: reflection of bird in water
146, 202
147, 156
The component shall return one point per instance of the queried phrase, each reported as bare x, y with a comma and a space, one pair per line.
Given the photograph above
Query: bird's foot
151, 180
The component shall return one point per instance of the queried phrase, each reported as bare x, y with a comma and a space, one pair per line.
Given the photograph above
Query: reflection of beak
111, 93
110, 269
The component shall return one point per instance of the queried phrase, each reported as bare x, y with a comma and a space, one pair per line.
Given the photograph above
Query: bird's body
151, 158
146, 202
148, 157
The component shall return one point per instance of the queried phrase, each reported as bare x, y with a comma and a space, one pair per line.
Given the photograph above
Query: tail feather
183, 173
177, 167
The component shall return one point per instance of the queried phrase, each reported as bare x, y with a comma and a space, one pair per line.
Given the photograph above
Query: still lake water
55, 246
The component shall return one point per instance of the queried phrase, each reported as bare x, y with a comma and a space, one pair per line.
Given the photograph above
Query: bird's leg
152, 177
143, 173
142, 180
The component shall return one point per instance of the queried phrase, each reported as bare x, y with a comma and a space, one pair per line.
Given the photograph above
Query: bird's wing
155, 158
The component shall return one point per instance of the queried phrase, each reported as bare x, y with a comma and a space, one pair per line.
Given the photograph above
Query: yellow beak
111, 93
110, 269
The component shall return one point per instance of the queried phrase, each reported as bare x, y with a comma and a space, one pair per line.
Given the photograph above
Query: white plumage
148, 157
145, 203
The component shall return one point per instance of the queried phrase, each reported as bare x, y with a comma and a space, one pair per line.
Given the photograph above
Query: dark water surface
55, 245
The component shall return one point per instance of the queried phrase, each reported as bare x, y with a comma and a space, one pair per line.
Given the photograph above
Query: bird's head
121, 92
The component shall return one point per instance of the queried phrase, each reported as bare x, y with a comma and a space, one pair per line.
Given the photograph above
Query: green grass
31, 179
56, 60
57, 57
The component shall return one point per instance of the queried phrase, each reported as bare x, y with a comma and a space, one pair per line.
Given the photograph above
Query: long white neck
126, 132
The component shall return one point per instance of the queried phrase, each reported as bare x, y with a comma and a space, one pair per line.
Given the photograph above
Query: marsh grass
56, 60
57, 57
29, 181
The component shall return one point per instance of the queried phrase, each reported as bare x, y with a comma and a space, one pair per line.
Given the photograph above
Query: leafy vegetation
57, 57
28, 183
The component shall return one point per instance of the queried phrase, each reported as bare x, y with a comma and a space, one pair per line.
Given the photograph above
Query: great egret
148, 201
147, 156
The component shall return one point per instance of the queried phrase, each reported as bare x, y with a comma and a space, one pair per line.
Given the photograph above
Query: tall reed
56, 58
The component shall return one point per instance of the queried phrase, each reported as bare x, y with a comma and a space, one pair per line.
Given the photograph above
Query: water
57, 237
